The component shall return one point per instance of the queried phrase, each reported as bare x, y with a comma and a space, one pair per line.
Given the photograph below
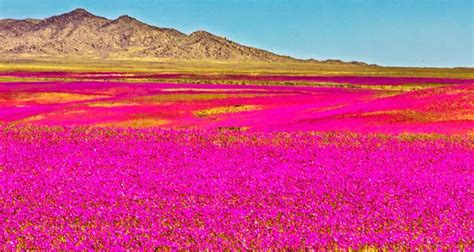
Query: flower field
129, 164
358, 104
98, 188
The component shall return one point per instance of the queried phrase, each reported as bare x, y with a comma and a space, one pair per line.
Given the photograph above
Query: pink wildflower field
126, 161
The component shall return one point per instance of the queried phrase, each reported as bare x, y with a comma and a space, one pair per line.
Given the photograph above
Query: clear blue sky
386, 32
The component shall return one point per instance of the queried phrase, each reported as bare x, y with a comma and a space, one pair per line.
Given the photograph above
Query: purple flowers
294, 167
93, 188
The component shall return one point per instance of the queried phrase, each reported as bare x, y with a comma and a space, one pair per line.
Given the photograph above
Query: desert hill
81, 33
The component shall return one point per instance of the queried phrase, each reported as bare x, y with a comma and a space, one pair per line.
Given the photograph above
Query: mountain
80, 33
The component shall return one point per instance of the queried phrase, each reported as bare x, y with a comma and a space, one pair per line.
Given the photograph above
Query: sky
426, 33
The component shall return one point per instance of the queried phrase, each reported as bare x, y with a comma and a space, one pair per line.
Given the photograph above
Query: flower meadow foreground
183, 161
71, 187
122, 135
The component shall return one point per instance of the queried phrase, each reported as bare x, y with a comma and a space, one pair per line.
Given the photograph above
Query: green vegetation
219, 67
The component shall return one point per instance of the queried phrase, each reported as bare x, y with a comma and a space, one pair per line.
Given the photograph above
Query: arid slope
80, 33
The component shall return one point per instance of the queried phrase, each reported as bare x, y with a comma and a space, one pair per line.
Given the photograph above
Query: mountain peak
200, 32
76, 15
79, 12
129, 21
126, 18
